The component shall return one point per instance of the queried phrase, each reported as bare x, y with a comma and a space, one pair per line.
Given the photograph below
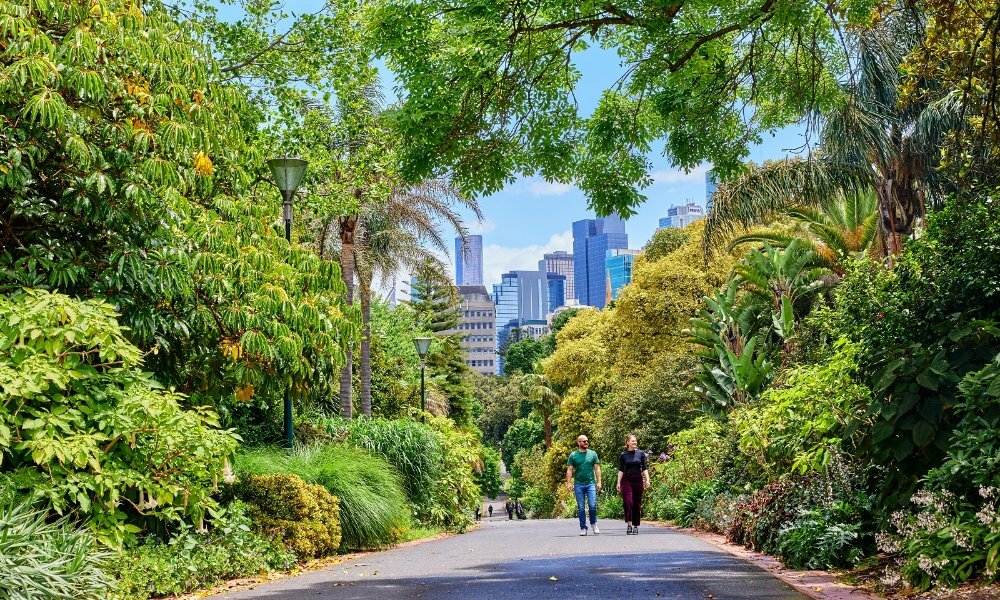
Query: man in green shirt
583, 476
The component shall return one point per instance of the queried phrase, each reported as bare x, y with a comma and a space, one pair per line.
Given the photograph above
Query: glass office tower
469, 260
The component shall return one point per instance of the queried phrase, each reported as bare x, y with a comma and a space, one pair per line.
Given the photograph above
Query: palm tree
538, 390
840, 227
869, 144
392, 236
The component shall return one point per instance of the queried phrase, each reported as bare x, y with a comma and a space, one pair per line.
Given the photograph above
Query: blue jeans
590, 489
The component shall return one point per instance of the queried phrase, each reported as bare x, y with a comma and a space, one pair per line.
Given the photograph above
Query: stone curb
236, 585
821, 585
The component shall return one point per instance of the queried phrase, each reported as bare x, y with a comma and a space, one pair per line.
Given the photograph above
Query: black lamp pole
423, 344
288, 173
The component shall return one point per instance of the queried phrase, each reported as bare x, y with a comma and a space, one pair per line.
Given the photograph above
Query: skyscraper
560, 263
709, 190
682, 215
523, 299
469, 260
619, 266
592, 238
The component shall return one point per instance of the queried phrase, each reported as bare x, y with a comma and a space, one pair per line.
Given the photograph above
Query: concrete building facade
682, 215
477, 324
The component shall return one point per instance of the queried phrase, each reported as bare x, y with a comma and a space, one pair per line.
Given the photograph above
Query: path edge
238, 585
821, 585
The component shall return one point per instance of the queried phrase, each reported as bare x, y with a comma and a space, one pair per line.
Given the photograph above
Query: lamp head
423, 345
288, 173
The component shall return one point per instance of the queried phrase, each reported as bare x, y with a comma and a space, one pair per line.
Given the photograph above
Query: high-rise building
560, 263
618, 263
557, 291
477, 325
709, 190
682, 215
522, 300
592, 238
469, 260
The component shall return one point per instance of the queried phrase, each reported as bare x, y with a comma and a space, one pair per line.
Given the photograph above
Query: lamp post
423, 344
288, 173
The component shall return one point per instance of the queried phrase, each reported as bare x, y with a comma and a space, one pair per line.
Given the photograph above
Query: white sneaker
596, 530
583, 532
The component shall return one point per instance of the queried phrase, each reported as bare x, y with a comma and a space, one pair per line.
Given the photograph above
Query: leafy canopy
488, 87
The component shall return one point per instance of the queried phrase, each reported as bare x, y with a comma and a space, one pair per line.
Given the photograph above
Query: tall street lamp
288, 173
423, 344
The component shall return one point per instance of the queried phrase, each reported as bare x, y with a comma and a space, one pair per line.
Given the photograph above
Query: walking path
538, 559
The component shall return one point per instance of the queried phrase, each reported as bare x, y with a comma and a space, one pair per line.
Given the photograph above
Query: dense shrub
661, 504
801, 424
489, 481
693, 455
191, 561
42, 560
953, 532
455, 490
374, 510
304, 517
697, 503
537, 494
820, 520
88, 432
762, 514
652, 406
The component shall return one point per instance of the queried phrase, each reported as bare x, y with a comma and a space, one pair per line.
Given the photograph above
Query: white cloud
679, 176
540, 187
480, 227
498, 260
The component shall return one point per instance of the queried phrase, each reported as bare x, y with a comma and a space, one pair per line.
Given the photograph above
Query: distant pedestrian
490, 509
583, 476
479, 512
633, 478
510, 510
519, 509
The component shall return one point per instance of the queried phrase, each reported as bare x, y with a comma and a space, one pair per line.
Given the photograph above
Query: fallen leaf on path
553, 578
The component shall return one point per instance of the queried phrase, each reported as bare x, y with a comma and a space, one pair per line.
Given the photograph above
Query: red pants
632, 497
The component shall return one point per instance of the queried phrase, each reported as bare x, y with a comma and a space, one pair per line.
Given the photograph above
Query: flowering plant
947, 540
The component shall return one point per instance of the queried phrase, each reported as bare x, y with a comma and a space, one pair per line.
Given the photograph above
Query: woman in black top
633, 478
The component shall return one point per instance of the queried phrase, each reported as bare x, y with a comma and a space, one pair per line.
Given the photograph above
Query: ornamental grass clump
414, 449
48, 560
374, 510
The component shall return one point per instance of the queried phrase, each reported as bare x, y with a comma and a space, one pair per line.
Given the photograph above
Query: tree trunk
548, 429
898, 207
347, 227
366, 357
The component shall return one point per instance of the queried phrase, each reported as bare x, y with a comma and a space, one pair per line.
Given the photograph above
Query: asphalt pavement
538, 559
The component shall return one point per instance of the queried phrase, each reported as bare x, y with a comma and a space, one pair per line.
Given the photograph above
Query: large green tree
489, 87
133, 172
871, 143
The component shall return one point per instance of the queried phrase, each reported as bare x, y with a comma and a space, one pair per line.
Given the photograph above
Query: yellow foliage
653, 310
203, 164
305, 517
580, 353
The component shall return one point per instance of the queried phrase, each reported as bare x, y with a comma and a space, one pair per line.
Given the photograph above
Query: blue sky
531, 216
